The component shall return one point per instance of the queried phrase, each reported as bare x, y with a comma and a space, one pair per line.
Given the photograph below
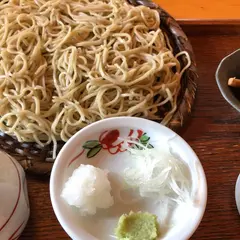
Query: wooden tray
213, 133
203, 11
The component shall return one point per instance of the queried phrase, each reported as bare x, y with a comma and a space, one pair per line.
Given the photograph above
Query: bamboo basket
37, 160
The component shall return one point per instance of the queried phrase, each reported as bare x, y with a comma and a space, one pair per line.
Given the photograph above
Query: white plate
104, 133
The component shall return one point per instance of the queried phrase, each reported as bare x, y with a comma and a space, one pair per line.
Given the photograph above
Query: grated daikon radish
156, 173
88, 189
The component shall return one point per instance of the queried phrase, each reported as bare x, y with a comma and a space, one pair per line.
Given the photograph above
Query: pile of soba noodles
66, 64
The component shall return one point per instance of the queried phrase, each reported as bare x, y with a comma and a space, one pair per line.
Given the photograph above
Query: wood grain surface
201, 9
214, 134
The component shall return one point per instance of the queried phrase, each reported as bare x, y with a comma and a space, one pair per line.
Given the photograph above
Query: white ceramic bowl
14, 205
102, 135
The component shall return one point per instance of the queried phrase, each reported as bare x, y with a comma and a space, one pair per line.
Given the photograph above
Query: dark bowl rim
227, 95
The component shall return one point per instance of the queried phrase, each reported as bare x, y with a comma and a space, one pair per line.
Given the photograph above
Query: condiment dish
237, 193
229, 67
100, 145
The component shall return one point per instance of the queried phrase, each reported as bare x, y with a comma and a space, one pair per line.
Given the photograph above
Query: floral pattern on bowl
110, 140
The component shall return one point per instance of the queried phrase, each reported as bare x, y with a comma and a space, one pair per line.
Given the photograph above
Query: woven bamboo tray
37, 160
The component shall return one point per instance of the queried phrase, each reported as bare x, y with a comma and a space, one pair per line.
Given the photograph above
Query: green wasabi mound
137, 226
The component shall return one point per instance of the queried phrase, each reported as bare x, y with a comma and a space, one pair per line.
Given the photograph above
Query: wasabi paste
137, 226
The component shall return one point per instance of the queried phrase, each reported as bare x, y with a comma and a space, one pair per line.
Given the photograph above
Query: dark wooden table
213, 132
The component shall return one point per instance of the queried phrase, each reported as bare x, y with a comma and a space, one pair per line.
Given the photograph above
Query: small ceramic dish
99, 144
14, 205
229, 67
237, 193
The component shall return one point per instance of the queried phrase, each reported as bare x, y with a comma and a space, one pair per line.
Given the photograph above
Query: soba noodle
66, 64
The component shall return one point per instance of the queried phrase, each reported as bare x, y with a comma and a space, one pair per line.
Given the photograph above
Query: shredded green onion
156, 173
